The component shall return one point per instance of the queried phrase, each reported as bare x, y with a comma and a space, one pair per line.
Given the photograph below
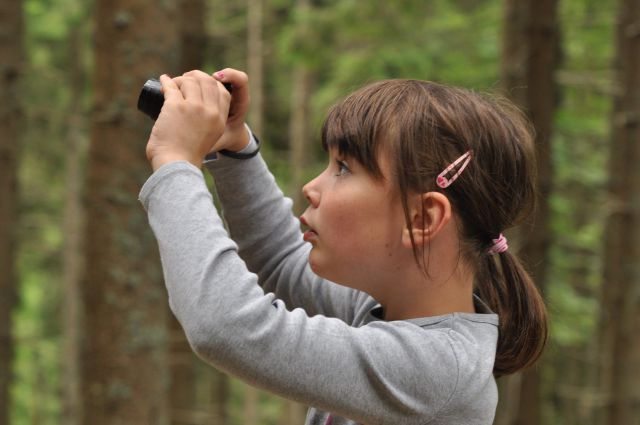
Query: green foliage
37, 359
37, 387
580, 153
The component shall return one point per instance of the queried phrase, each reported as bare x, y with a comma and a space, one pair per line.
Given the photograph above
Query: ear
429, 212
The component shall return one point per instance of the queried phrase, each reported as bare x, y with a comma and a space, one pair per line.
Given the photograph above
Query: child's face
355, 224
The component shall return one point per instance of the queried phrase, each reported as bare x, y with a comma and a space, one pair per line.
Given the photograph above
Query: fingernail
219, 75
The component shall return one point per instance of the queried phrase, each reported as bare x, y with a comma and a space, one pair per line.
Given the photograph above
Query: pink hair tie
444, 182
499, 245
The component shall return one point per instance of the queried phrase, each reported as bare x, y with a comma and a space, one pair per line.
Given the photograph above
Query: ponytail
511, 293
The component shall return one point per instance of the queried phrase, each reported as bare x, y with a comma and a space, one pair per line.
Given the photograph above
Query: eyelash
343, 168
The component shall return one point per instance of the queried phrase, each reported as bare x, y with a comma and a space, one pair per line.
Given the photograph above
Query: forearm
260, 220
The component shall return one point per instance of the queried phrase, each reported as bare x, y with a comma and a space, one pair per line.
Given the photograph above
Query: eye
342, 167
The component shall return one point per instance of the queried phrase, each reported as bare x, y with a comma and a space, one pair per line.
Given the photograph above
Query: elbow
200, 335
204, 343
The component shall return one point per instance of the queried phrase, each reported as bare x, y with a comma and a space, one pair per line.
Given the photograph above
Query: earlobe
429, 213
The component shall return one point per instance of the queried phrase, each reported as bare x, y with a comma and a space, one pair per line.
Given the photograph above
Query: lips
310, 234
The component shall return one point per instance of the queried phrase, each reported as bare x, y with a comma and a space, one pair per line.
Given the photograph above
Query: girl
400, 303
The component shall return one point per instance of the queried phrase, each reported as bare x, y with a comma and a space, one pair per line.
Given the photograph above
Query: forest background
86, 336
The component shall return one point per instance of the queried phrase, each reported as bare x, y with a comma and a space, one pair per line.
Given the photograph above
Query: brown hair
424, 127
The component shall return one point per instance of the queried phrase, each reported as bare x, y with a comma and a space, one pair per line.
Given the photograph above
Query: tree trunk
255, 70
72, 317
186, 407
124, 348
251, 405
293, 413
299, 132
11, 61
218, 391
300, 119
299, 139
182, 375
530, 59
193, 35
255, 63
621, 286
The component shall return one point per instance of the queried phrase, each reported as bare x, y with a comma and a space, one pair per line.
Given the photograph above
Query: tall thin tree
185, 402
124, 346
300, 118
299, 144
11, 68
621, 285
73, 225
255, 62
529, 61
255, 69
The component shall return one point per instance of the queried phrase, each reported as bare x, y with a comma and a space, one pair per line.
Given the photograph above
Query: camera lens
151, 98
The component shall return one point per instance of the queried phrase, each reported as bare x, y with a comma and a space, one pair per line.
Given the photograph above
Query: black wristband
242, 155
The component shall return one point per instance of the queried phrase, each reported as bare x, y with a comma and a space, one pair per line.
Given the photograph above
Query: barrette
444, 182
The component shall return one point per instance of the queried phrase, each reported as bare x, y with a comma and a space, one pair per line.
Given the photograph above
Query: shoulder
473, 339
449, 361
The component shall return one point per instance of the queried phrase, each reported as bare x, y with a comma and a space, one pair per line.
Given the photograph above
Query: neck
444, 287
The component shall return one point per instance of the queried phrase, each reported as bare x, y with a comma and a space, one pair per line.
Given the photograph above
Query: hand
192, 119
235, 136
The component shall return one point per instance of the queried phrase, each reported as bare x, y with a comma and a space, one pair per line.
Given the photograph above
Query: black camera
151, 97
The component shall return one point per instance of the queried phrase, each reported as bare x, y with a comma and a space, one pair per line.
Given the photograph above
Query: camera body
151, 98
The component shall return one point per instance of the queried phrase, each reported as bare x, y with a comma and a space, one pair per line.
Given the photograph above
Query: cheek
358, 233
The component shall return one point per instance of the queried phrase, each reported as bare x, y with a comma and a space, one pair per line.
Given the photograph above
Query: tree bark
73, 225
255, 63
124, 348
186, 407
299, 132
255, 70
300, 119
193, 35
529, 61
11, 63
299, 139
621, 285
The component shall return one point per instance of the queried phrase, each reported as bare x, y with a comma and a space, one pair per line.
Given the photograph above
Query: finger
233, 76
208, 86
238, 79
170, 88
196, 73
240, 99
190, 88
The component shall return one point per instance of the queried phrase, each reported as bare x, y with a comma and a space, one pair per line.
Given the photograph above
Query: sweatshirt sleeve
374, 374
261, 222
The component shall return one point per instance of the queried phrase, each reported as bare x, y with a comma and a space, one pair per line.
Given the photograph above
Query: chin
317, 266
313, 264
327, 270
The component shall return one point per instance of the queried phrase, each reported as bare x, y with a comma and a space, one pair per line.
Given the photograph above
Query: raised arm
198, 117
260, 220
379, 373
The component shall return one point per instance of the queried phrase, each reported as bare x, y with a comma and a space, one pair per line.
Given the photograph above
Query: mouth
310, 234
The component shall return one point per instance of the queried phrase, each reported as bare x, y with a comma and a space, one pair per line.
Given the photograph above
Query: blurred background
86, 336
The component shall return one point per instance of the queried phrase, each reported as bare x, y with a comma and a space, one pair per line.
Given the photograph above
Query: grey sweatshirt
251, 306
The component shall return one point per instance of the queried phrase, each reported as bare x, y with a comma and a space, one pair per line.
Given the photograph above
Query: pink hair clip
499, 246
444, 182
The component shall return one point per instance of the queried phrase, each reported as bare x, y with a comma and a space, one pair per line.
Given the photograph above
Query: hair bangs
360, 124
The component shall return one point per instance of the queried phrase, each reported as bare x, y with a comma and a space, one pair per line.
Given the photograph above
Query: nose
311, 192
